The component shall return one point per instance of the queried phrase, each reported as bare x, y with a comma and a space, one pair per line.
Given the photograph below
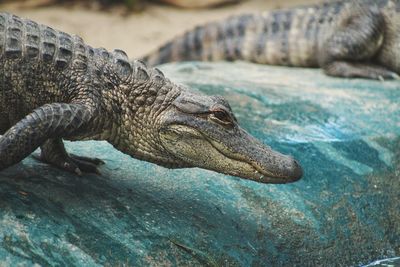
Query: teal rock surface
344, 212
390, 262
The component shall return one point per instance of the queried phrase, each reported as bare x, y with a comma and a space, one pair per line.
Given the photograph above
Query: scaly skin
55, 87
345, 38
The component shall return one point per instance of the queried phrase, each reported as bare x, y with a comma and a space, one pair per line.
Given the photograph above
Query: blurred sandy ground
135, 33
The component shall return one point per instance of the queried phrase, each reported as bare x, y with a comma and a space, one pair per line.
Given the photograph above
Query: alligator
344, 38
54, 87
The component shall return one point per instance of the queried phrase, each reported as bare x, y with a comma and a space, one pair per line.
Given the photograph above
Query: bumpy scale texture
53, 86
345, 38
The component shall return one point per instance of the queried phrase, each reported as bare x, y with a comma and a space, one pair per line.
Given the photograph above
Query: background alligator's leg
349, 50
49, 121
361, 70
54, 153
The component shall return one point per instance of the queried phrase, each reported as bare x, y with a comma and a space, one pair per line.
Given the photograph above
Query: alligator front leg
50, 121
54, 153
355, 40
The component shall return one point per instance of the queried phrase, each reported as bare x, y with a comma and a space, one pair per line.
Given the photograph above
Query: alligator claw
95, 161
74, 164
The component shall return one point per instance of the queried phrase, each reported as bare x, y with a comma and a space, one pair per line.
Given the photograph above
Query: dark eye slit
222, 115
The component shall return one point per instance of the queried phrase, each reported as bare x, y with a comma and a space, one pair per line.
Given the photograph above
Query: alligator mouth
263, 173
256, 170
275, 179
259, 174
256, 162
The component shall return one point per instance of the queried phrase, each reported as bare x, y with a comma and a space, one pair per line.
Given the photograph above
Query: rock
392, 262
344, 212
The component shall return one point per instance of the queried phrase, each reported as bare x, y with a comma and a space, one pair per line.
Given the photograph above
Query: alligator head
182, 129
201, 131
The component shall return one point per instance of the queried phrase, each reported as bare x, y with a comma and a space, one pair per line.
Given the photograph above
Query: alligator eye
221, 117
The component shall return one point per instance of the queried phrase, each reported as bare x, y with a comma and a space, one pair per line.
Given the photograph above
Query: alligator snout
294, 171
274, 167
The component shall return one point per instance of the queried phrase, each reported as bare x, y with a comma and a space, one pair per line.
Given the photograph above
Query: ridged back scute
65, 50
102, 54
158, 77
140, 71
81, 52
28, 40
146, 81
32, 39
13, 36
49, 41
123, 67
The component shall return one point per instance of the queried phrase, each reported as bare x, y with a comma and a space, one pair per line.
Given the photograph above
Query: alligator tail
288, 37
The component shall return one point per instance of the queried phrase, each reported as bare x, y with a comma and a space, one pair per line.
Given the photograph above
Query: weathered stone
344, 212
